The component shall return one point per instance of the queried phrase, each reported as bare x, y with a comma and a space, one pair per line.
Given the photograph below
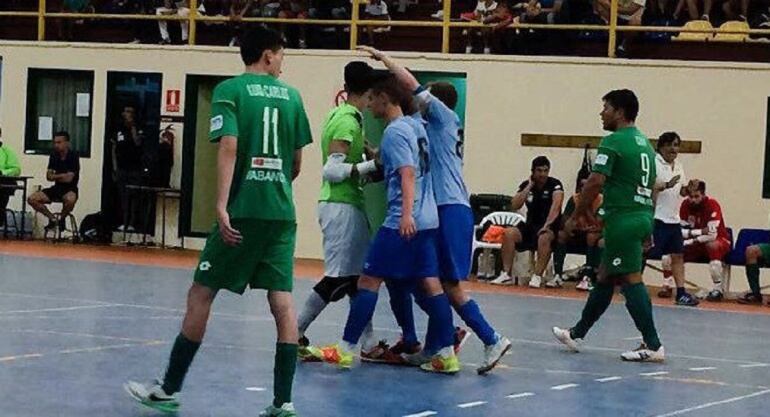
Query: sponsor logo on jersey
601, 159
267, 163
617, 262
265, 176
205, 266
646, 192
216, 123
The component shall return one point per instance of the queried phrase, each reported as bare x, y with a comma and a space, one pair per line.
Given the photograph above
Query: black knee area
334, 289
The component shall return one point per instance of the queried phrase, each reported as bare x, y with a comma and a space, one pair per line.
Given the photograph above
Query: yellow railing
355, 22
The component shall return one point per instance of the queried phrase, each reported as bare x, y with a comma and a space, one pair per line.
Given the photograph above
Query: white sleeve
336, 170
642, 3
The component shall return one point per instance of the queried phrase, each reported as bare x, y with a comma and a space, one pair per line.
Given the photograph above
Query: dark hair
388, 85
407, 104
667, 138
540, 161
583, 174
445, 92
623, 100
257, 40
62, 133
358, 77
702, 187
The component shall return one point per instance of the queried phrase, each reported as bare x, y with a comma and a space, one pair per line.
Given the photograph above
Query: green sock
598, 300
752, 273
639, 306
558, 259
283, 373
182, 355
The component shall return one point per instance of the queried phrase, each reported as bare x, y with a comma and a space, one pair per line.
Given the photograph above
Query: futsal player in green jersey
624, 172
260, 126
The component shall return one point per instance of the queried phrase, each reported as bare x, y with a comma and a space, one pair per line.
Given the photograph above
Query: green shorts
765, 249
264, 259
624, 236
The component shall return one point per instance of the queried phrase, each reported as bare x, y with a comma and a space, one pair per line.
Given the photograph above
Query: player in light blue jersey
404, 249
455, 234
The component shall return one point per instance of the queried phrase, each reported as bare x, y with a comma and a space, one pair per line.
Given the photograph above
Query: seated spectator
66, 26
736, 10
705, 234
295, 9
9, 167
237, 11
577, 238
542, 11
171, 7
543, 196
132, 7
64, 172
376, 10
693, 9
484, 13
630, 13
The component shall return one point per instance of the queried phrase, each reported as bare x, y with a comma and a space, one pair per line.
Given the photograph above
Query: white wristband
366, 167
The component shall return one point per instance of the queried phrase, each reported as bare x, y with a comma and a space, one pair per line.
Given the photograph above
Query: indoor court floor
73, 331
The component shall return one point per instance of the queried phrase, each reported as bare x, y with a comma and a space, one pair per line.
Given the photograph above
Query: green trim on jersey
269, 121
627, 159
344, 123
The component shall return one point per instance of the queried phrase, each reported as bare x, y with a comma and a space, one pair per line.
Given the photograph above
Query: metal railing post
445, 32
41, 20
613, 38
193, 29
354, 17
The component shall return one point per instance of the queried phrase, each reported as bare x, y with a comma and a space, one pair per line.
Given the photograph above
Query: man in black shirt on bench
64, 172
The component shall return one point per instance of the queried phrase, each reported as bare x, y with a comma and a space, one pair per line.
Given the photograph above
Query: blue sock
471, 315
361, 312
401, 305
441, 328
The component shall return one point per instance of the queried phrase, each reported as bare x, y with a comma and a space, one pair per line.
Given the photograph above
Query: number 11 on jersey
270, 120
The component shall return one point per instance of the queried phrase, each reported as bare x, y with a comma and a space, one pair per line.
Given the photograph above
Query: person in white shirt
667, 239
484, 10
376, 10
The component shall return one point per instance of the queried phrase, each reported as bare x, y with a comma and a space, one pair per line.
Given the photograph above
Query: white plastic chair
497, 218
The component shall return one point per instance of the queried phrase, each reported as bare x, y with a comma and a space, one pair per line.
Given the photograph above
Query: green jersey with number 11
269, 120
627, 159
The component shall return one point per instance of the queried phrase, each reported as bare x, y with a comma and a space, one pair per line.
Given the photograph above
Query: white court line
522, 395
45, 310
654, 373
95, 336
17, 357
712, 404
633, 338
255, 389
471, 404
754, 365
423, 414
704, 368
563, 387
609, 379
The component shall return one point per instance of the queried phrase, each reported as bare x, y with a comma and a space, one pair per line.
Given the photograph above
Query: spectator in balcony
64, 172
542, 11
543, 196
295, 9
9, 167
237, 11
66, 26
736, 10
170, 8
483, 13
376, 10
630, 13
705, 234
693, 9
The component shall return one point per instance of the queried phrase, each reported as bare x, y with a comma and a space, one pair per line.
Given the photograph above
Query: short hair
667, 138
445, 92
702, 187
62, 133
540, 161
624, 100
358, 77
257, 40
389, 86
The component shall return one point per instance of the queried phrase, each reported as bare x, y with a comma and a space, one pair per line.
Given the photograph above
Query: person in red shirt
705, 235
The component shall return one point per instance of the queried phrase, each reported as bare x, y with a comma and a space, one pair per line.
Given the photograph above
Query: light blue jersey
405, 144
446, 150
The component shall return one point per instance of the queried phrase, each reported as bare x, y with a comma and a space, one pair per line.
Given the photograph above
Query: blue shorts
455, 240
393, 257
666, 240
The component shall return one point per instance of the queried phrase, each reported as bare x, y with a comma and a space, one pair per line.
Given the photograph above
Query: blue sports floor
72, 332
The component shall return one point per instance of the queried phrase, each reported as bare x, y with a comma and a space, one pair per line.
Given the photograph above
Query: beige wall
724, 105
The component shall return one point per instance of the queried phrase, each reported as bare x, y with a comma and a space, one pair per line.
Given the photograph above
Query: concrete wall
722, 104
